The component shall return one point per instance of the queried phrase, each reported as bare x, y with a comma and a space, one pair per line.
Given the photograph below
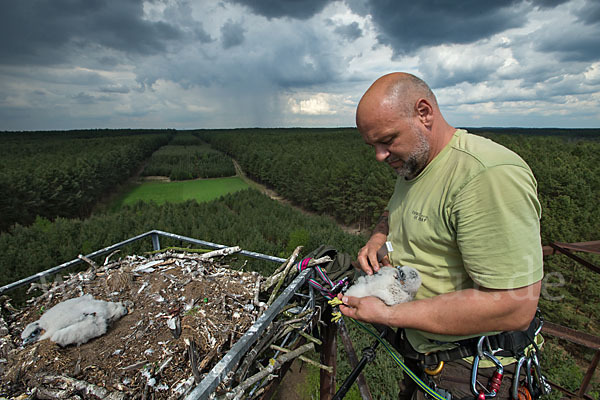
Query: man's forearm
469, 311
382, 225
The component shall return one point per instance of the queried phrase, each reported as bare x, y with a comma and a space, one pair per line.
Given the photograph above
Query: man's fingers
386, 261
374, 262
364, 263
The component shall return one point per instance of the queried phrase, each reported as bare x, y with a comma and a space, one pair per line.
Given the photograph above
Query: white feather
75, 321
391, 285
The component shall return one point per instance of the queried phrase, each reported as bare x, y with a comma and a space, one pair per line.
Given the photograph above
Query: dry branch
273, 366
62, 387
285, 272
305, 359
91, 262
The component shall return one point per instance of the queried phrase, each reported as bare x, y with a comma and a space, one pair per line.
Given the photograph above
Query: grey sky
68, 64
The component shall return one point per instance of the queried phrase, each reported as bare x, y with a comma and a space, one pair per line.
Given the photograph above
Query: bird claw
335, 302
336, 316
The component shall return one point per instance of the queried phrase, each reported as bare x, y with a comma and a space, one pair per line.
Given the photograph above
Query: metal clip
435, 371
515, 383
539, 385
495, 380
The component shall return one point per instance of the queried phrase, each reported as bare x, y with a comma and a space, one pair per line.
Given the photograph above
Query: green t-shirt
470, 218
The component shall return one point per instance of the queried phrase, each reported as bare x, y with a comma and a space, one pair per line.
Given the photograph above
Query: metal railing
154, 235
581, 338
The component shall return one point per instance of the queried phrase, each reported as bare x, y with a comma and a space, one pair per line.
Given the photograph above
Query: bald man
464, 213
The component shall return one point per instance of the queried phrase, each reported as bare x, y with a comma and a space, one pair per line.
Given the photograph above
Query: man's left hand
368, 309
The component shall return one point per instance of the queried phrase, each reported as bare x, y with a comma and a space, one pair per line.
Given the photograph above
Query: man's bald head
399, 91
399, 116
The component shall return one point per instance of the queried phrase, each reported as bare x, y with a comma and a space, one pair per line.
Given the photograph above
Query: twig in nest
305, 359
193, 357
256, 351
285, 272
109, 256
266, 372
270, 281
72, 386
89, 261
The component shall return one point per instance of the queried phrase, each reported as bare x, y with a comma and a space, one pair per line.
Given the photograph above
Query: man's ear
424, 112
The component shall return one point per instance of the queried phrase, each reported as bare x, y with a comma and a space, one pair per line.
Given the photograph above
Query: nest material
183, 310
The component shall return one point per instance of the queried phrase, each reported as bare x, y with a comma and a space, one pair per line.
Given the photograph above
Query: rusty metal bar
580, 260
588, 375
568, 392
586, 247
328, 356
581, 338
363, 388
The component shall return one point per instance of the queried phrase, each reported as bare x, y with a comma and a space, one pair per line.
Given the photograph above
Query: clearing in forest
200, 190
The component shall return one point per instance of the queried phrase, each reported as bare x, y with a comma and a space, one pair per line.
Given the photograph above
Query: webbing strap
303, 264
503, 344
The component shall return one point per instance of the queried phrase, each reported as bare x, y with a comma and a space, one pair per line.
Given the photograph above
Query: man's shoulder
484, 152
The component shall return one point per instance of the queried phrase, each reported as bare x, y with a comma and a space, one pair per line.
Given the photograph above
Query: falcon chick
76, 320
392, 285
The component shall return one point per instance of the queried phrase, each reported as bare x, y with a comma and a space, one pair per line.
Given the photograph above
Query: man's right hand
367, 256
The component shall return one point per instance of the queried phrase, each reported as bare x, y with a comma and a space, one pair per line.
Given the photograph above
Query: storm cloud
236, 63
284, 8
49, 31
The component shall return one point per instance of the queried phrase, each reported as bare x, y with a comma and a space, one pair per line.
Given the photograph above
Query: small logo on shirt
418, 216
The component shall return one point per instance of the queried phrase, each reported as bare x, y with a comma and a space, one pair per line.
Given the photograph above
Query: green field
200, 190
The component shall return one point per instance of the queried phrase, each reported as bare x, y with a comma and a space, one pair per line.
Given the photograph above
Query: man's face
398, 142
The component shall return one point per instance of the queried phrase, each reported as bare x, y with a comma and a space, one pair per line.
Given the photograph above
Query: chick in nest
393, 285
74, 321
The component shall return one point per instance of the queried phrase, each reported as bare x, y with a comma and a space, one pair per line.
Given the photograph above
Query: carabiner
540, 381
515, 383
495, 380
435, 371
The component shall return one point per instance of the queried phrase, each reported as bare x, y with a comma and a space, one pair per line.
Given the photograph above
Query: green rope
398, 361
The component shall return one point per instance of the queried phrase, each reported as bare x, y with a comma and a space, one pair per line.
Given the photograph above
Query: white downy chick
74, 321
393, 285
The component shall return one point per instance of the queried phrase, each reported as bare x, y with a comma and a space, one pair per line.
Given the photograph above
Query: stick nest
184, 311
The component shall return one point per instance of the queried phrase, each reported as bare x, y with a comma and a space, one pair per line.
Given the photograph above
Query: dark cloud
548, 3
84, 98
408, 26
572, 47
46, 31
296, 9
350, 32
439, 76
298, 67
590, 12
115, 89
232, 34
201, 35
